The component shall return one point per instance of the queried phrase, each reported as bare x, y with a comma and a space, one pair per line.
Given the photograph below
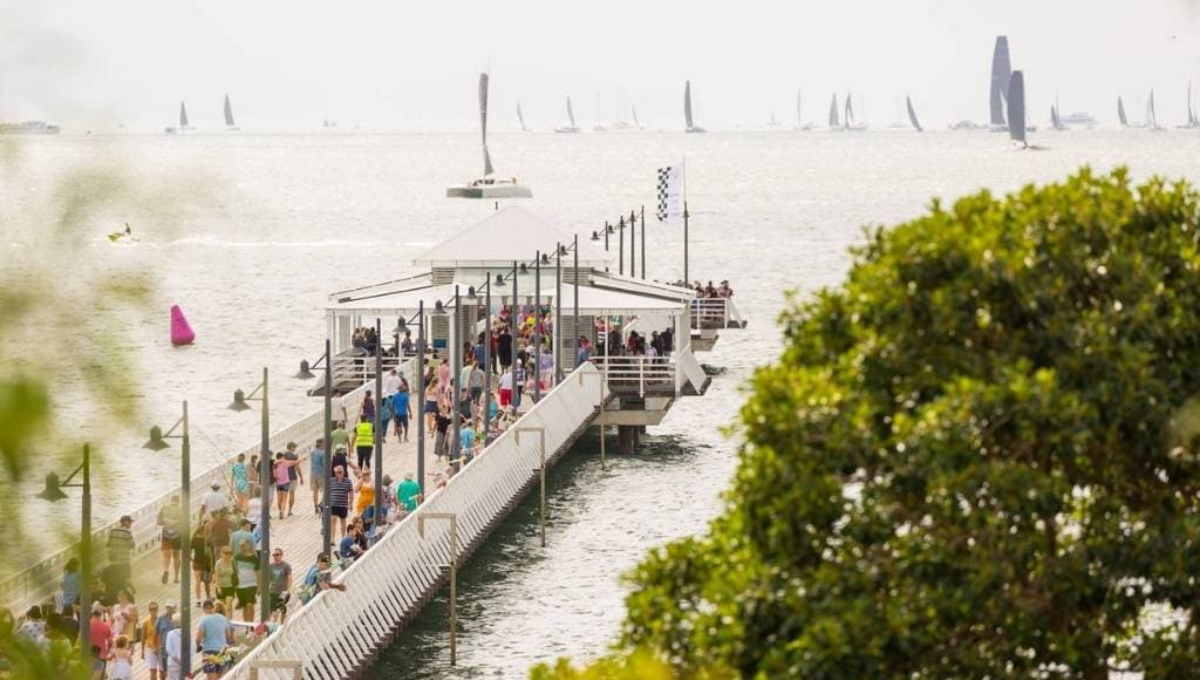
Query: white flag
670, 193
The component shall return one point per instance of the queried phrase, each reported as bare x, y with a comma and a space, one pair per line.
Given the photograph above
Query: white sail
1001, 77
521, 118
229, 113
1121, 113
1016, 107
571, 113
183, 117
636, 123
833, 113
849, 119
912, 114
483, 102
687, 104
799, 109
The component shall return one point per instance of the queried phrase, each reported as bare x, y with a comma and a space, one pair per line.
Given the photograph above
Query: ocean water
274, 223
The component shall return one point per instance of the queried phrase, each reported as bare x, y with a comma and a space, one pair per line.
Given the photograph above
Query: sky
414, 65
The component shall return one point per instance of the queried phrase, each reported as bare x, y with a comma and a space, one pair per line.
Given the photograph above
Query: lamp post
558, 330
537, 327
575, 296
158, 442
378, 464
516, 315
53, 492
402, 327
327, 473
456, 380
632, 246
643, 242
621, 248
264, 476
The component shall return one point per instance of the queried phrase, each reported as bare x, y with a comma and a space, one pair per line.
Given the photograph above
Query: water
291, 218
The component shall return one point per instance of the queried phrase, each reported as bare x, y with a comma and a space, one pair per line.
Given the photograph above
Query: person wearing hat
213, 634
173, 649
213, 500
100, 632
120, 552
407, 492
162, 626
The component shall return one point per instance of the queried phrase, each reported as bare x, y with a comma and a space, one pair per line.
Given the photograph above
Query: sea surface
276, 222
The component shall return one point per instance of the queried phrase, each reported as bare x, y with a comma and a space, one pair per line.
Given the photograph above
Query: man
120, 553
464, 376
349, 548
585, 352
150, 641
295, 476
339, 407
401, 410
162, 626
339, 437
407, 492
341, 491
101, 633
341, 460
390, 384
217, 532
213, 500
281, 583
244, 534
213, 634
317, 472
170, 518
173, 649
441, 425
475, 382
320, 577
407, 348
363, 440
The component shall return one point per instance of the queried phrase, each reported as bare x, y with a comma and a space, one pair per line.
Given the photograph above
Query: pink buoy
181, 332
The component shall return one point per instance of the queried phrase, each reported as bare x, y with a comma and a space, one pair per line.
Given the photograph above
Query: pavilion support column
627, 438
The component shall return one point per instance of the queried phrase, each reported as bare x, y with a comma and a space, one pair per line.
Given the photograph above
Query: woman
385, 418
254, 506
201, 563
226, 572
283, 480
367, 407
431, 403
241, 483
364, 494
170, 518
70, 586
246, 573
124, 615
252, 471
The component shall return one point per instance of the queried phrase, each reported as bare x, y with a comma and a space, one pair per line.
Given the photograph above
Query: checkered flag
670, 193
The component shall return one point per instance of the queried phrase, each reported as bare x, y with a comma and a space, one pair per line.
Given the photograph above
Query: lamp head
524, 268
439, 309
611, 230
595, 235
53, 491
305, 372
471, 293
157, 443
401, 326
239, 402
545, 258
562, 250
500, 281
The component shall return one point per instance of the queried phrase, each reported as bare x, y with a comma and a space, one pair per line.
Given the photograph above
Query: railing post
642, 377
541, 471
453, 518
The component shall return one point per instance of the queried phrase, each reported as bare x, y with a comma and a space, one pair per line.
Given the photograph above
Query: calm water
286, 219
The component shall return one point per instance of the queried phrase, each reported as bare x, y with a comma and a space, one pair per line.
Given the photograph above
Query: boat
692, 128
848, 122
800, 124
772, 121
29, 127
521, 118
572, 128
912, 114
229, 124
1121, 112
1077, 119
125, 237
1192, 122
489, 186
1151, 117
1056, 123
636, 123
967, 125
184, 125
1001, 77
1016, 109
835, 124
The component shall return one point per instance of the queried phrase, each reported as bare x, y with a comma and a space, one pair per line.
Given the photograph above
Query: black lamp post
537, 326
632, 245
402, 327
456, 379
378, 464
54, 492
239, 404
158, 442
559, 250
327, 473
621, 249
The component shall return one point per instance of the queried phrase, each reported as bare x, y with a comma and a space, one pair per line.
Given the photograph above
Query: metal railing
709, 313
338, 632
638, 373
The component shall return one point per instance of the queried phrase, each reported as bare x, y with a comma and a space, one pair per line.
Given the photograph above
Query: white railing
709, 313
336, 633
638, 373
38, 583
348, 367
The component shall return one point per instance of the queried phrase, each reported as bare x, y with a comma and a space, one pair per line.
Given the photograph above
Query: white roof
512, 234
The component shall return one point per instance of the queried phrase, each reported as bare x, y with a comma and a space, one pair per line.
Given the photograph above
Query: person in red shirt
101, 632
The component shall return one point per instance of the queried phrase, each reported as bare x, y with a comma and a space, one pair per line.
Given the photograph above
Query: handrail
637, 370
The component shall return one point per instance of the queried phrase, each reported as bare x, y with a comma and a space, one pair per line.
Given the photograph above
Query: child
122, 660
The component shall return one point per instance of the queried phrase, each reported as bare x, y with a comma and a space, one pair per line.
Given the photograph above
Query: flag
670, 193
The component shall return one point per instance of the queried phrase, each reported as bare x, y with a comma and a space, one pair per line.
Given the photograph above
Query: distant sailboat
773, 121
1121, 113
912, 114
183, 117
1192, 121
834, 122
1055, 120
1001, 78
1016, 108
572, 127
229, 124
1152, 117
521, 118
800, 124
488, 186
637, 124
851, 126
687, 110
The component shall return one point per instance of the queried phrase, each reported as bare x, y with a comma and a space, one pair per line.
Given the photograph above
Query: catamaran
773, 121
1016, 109
850, 125
229, 124
572, 128
1001, 78
489, 186
1056, 122
687, 109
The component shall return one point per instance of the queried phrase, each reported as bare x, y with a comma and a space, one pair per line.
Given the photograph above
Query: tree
977, 458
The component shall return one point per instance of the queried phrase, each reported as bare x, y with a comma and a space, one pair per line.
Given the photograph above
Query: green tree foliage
977, 458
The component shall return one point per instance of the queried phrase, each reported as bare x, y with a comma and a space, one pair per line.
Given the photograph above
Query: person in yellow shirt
150, 641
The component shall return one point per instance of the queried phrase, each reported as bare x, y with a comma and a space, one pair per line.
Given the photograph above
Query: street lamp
402, 327
158, 442
240, 400
621, 248
306, 374
537, 325
53, 492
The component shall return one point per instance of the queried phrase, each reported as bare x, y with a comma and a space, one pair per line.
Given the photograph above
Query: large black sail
1001, 76
1016, 107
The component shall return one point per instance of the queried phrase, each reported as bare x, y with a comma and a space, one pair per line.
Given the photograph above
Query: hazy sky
415, 64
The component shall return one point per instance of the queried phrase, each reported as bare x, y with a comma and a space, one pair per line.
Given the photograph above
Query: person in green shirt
340, 436
407, 492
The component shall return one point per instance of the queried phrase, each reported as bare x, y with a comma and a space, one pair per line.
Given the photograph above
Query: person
367, 408
442, 424
364, 494
244, 534
201, 565
407, 347
120, 554
254, 507
150, 641
340, 493
506, 389
33, 627
475, 382
339, 437
431, 403
341, 460
241, 483
280, 583
390, 384
68, 595
122, 660
319, 577
385, 418
317, 472
162, 626
246, 572
225, 572
101, 633
173, 649
364, 439
407, 492
213, 500
254, 469
339, 408
466, 435
283, 472
585, 352
170, 518
125, 615
217, 531
348, 547
504, 347
213, 634
295, 475
401, 410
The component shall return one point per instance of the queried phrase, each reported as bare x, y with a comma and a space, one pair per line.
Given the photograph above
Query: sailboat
637, 124
850, 125
1151, 117
489, 186
229, 124
835, 124
1192, 121
773, 121
912, 114
183, 121
687, 110
1121, 114
572, 128
1001, 78
1056, 121
520, 117
800, 124
1016, 108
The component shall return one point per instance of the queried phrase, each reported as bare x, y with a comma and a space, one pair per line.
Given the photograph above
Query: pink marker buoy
181, 332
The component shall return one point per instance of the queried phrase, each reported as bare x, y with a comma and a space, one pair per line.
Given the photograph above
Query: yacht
573, 127
1078, 119
692, 128
229, 124
29, 127
488, 186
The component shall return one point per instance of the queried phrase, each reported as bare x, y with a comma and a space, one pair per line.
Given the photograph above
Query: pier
472, 277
